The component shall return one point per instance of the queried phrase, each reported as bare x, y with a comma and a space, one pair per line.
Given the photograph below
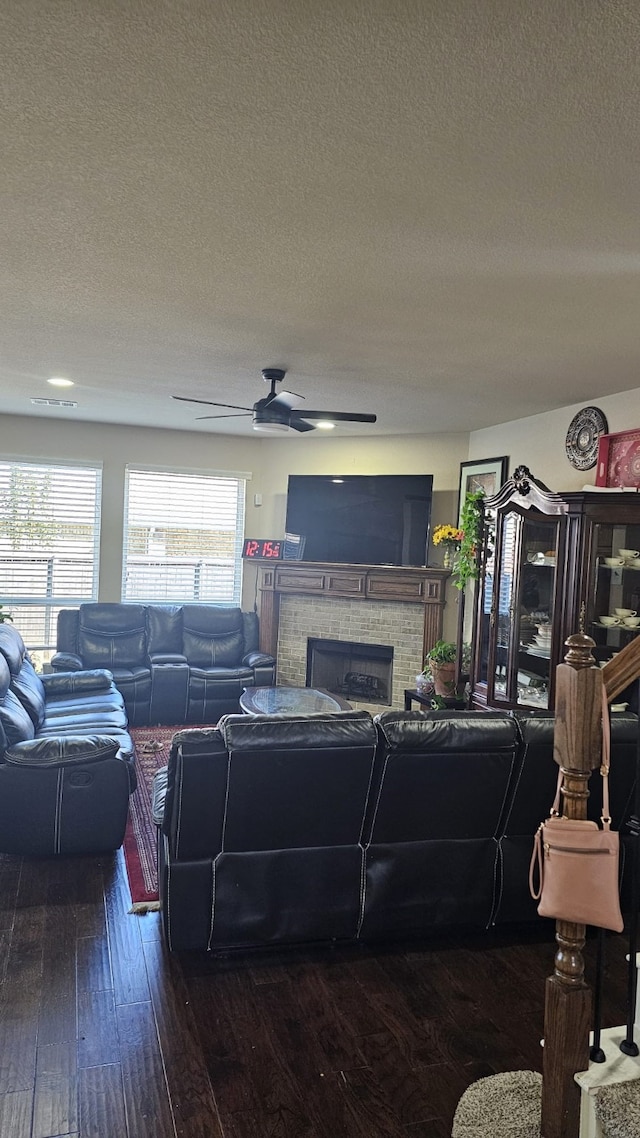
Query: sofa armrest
66, 662
166, 658
76, 683
59, 751
258, 660
158, 795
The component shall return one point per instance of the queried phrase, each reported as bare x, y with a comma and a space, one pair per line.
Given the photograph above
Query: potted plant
441, 660
465, 566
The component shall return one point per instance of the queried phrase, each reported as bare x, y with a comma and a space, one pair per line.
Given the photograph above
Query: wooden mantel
424, 587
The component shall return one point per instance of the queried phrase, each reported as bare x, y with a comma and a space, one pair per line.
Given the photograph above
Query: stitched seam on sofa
504, 797
212, 922
58, 811
363, 888
167, 862
223, 832
179, 821
497, 898
516, 788
493, 891
375, 809
366, 799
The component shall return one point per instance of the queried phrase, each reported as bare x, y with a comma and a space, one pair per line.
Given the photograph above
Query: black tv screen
361, 519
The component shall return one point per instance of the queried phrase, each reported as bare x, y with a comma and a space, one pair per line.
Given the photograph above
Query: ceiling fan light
271, 428
324, 425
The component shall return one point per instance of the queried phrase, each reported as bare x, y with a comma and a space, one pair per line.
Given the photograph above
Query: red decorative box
619, 460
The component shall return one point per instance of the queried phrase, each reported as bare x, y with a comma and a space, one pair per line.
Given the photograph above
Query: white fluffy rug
618, 1109
509, 1106
503, 1106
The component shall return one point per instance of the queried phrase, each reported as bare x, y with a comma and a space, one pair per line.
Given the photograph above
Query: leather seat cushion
84, 722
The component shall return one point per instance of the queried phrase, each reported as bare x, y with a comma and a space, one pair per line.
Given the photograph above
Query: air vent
54, 402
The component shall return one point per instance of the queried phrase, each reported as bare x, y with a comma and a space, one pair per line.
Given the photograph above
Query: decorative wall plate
584, 432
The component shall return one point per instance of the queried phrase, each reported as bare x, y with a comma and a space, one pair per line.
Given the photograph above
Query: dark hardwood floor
103, 1034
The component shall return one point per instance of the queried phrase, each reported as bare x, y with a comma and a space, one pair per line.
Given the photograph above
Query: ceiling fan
278, 412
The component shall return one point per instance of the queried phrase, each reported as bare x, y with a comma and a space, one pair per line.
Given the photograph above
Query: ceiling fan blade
210, 403
240, 415
300, 425
339, 416
287, 399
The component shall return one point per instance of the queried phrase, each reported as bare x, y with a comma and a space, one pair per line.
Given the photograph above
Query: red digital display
255, 548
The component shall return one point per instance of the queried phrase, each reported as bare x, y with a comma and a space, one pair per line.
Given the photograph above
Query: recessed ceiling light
60, 381
325, 425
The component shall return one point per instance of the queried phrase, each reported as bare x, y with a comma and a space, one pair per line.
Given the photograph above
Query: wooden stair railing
577, 750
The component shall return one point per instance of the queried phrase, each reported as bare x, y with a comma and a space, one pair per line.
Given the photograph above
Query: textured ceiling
425, 210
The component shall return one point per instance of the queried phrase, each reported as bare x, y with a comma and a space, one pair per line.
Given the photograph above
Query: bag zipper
571, 849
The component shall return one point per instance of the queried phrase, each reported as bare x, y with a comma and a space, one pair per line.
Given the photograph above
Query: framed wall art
619, 460
486, 474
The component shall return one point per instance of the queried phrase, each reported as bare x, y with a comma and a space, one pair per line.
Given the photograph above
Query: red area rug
153, 745
152, 752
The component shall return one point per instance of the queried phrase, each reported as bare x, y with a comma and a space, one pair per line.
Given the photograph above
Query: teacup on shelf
614, 562
631, 621
625, 612
610, 620
629, 554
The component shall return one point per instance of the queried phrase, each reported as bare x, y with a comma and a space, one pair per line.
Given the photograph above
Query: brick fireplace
399, 608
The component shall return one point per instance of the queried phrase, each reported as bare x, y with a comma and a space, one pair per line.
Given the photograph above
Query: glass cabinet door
504, 608
613, 609
484, 625
535, 612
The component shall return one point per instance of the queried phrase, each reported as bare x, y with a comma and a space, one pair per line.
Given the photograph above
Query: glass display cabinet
550, 565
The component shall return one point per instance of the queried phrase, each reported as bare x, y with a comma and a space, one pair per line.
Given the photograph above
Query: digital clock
256, 548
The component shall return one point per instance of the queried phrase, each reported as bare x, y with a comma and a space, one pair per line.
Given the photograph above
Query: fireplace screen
353, 670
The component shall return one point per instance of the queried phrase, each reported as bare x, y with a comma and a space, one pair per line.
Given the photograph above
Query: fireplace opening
350, 669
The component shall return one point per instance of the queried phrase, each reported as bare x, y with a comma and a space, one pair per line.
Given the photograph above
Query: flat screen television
361, 519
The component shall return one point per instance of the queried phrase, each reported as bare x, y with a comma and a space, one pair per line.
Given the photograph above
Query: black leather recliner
433, 824
262, 830
172, 663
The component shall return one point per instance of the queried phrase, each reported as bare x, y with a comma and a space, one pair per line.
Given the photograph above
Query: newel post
567, 1017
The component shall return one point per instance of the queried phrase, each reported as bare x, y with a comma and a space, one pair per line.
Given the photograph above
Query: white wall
268, 461
539, 441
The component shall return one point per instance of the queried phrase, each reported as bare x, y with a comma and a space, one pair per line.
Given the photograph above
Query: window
183, 537
49, 545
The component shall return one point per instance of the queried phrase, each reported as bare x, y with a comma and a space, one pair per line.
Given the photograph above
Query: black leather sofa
66, 758
172, 663
339, 827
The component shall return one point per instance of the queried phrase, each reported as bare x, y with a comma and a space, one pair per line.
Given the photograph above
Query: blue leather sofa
66, 758
172, 663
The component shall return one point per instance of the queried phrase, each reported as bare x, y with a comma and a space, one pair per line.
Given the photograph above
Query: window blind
49, 544
183, 536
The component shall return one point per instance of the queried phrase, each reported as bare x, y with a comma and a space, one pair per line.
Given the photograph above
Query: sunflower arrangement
447, 535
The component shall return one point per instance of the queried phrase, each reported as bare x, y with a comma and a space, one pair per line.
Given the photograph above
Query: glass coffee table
280, 700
